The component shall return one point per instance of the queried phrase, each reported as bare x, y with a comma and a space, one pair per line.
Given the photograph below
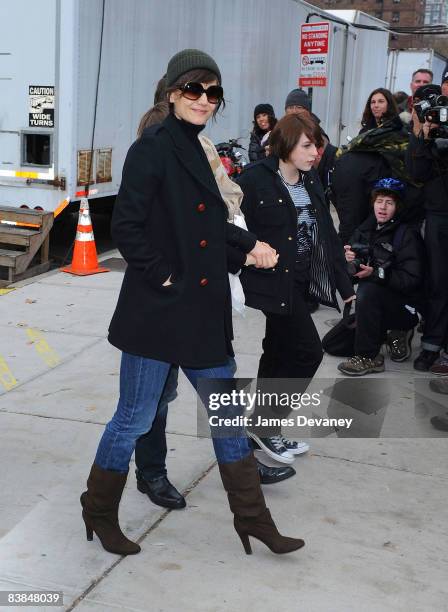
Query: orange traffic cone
85, 260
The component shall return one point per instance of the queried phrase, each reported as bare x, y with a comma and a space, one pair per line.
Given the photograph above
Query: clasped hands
262, 256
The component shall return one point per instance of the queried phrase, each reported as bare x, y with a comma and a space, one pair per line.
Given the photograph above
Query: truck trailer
77, 75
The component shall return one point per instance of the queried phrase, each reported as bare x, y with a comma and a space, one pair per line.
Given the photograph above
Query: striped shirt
306, 217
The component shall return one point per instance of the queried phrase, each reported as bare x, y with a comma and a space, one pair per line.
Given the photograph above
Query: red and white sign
314, 54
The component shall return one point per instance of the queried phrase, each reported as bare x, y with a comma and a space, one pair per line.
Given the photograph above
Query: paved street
372, 511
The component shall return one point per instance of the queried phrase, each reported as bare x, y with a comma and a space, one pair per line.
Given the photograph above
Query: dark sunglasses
193, 91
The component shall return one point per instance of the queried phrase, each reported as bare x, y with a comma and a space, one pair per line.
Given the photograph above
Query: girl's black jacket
271, 215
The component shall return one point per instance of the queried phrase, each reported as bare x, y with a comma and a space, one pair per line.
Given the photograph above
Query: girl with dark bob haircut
380, 108
284, 204
288, 132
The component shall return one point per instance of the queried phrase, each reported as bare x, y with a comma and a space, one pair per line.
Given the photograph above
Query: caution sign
41, 106
314, 39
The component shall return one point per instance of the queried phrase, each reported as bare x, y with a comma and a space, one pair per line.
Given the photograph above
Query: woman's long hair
153, 116
368, 120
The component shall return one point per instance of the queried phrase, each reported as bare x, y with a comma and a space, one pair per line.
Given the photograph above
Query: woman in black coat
284, 204
264, 122
170, 224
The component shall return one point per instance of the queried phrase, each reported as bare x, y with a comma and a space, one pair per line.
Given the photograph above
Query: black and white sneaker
295, 447
273, 447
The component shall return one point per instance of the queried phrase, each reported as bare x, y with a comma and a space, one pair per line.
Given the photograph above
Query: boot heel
246, 543
89, 533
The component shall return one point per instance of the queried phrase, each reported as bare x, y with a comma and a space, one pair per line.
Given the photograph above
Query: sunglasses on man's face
193, 91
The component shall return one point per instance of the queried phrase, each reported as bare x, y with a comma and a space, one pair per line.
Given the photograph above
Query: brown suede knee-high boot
246, 500
100, 510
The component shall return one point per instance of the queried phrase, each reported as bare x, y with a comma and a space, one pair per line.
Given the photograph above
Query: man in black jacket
386, 257
427, 162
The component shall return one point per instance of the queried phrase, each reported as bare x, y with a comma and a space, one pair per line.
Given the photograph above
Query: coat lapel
190, 158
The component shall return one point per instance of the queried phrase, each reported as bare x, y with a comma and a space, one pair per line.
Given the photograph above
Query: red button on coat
201, 207
203, 243
204, 281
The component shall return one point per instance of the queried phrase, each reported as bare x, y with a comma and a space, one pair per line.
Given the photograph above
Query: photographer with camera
386, 257
427, 162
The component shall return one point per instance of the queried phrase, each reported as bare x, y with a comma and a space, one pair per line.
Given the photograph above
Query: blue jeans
151, 448
142, 382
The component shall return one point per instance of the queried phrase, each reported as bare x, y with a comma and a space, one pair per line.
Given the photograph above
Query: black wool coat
270, 213
170, 220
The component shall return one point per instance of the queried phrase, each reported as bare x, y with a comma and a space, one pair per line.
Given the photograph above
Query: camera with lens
431, 106
362, 256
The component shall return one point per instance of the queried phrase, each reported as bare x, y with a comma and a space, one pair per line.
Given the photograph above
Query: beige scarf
230, 192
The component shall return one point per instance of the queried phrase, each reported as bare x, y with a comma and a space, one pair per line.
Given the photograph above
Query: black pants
291, 347
435, 335
151, 449
378, 309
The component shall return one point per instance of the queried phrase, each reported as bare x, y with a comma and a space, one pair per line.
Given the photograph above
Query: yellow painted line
5, 291
6, 376
48, 354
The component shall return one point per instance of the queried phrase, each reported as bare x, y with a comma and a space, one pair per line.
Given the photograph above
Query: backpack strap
398, 237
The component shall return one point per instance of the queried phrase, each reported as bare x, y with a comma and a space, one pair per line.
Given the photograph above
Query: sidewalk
372, 511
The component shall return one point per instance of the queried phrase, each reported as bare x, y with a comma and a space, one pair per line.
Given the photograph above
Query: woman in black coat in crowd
170, 224
380, 108
284, 204
264, 122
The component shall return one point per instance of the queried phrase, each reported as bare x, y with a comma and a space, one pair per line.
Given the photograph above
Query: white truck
403, 62
77, 75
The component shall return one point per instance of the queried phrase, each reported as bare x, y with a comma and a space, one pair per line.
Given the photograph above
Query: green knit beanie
190, 59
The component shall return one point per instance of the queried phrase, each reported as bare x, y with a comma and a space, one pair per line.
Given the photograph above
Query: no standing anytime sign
314, 54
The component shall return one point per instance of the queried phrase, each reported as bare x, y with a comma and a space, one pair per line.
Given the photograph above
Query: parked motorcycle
232, 157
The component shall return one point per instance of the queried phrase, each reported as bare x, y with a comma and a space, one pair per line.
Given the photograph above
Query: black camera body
434, 109
362, 256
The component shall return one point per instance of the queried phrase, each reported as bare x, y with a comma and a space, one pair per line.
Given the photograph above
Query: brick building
399, 13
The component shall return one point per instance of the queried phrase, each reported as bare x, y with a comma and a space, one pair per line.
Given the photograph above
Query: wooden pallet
21, 242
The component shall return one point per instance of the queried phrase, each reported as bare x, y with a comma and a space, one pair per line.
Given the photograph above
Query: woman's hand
168, 282
349, 254
264, 255
250, 260
365, 271
350, 299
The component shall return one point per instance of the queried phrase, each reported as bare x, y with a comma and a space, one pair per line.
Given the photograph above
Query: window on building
395, 17
396, 1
